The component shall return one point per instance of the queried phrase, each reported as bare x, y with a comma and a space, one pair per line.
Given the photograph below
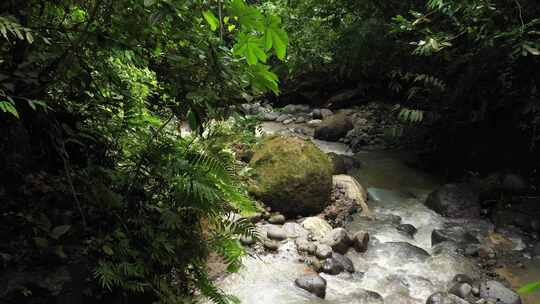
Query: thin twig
520, 15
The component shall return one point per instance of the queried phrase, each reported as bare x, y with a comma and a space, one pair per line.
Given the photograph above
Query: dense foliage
99, 178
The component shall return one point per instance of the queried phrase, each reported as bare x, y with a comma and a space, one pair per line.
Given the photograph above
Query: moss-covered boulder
292, 176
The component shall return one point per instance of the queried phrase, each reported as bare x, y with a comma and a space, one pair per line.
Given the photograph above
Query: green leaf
250, 47
148, 3
530, 49
193, 122
531, 287
107, 249
57, 232
275, 36
59, 251
41, 243
249, 17
211, 19
262, 79
8, 107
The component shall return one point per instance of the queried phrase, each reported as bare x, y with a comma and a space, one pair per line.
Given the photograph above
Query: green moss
292, 175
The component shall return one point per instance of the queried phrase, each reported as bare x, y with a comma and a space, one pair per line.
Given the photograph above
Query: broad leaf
262, 79
531, 287
248, 17
57, 232
250, 47
211, 19
275, 36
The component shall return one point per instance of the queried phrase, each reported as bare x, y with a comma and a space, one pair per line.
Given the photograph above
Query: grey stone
317, 226
276, 233
271, 116
283, 117
303, 245
345, 261
407, 229
456, 234
271, 245
332, 266
445, 298
323, 251
277, 219
314, 122
462, 290
360, 241
493, 290
295, 230
326, 113
288, 121
313, 283
338, 239
455, 200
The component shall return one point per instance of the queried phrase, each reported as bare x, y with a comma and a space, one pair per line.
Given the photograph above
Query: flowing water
400, 268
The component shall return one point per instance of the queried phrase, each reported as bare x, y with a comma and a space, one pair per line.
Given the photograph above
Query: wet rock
276, 233
295, 230
323, 251
277, 219
456, 234
455, 200
407, 229
338, 239
291, 175
445, 298
247, 241
318, 227
462, 290
283, 117
462, 278
303, 245
343, 163
326, 113
295, 109
271, 245
314, 122
344, 261
332, 266
271, 116
360, 241
495, 291
289, 121
334, 127
514, 183
313, 283
316, 114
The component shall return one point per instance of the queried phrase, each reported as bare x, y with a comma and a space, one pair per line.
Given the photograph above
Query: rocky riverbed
399, 251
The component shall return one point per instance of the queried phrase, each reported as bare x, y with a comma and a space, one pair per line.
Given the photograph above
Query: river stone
334, 127
271, 245
277, 219
456, 234
283, 117
455, 200
291, 175
289, 121
295, 230
293, 109
326, 113
332, 266
462, 290
303, 245
338, 239
345, 261
314, 122
323, 251
462, 278
271, 116
407, 229
445, 298
360, 241
276, 233
313, 283
318, 227
536, 250
493, 290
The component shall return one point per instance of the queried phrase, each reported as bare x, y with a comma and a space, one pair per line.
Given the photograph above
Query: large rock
334, 127
345, 261
292, 176
445, 298
495, 291
353, 190
455, 200
317, 226
338, 239
457, 234
313, 283
343, 163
